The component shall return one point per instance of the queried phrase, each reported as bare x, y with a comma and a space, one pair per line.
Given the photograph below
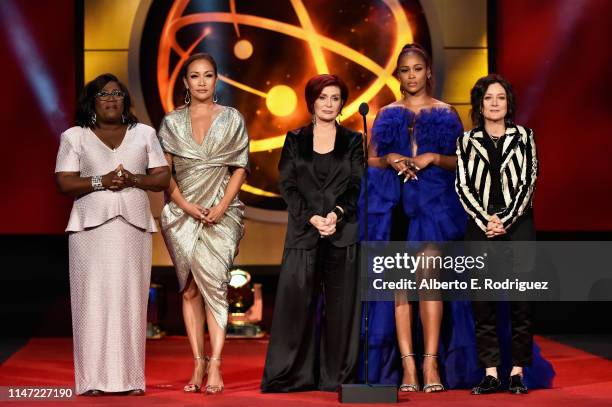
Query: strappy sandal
210, 388
432, 387
408, 387
195, 388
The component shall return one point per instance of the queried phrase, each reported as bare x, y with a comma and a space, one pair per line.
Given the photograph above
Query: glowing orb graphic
267, 51
281, 100
243, 49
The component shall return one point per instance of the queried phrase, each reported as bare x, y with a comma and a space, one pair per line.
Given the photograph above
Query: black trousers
485, 312
306, 352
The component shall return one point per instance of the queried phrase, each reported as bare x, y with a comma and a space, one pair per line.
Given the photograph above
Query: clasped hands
208, 216
325, 225
409, 166
495, 227
118, 179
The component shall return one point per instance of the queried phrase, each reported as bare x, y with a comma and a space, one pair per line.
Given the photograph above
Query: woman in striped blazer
497, 169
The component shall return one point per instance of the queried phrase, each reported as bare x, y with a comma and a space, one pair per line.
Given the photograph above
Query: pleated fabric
202, 173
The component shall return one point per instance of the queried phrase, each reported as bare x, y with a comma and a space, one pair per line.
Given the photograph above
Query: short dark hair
197, 57
417, 49
86, 103
316, 84
477, 96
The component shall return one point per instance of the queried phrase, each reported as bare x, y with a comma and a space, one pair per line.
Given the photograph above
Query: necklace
495, 140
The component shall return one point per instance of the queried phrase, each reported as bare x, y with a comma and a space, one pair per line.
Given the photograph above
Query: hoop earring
215, 98
187, 97
93, 119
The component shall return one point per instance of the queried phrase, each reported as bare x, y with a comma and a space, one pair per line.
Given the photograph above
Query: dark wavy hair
316, 84
477, 96
420, 51
86, 103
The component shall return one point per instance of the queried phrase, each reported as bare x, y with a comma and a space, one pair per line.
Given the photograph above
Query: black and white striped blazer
519, 170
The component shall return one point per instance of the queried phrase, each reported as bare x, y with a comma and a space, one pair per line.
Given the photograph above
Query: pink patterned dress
110, 260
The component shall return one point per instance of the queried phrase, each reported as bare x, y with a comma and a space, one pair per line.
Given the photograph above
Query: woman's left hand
214, 214
130, 179
495, 227
424, 160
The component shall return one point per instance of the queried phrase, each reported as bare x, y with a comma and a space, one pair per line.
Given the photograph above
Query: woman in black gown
319, 178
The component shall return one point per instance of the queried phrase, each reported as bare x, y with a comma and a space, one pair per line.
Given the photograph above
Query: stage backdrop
266, 51
554, 51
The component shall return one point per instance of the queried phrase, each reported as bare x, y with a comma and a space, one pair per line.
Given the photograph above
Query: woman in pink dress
107, 162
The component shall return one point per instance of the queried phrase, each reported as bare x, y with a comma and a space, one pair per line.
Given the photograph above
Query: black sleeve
287, 183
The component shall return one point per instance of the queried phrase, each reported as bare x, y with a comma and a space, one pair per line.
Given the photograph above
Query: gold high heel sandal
408, 387
195, 388
210, 388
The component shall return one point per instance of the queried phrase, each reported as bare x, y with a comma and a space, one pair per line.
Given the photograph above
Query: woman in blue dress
411, 183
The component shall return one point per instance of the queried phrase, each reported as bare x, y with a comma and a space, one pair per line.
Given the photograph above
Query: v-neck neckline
212, 122
127, 130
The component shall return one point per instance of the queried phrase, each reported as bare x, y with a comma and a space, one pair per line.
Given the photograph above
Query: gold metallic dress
202, 173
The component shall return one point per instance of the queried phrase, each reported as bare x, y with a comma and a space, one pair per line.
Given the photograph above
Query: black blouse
494, 151
321, 164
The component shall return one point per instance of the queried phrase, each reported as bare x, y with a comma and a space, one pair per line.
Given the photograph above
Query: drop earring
93, 119
314, 120
215, 98
187, 97
123, 118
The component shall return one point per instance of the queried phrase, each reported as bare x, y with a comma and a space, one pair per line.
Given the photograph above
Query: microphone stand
366, 393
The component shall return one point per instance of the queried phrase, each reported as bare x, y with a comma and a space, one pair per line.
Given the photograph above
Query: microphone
364, 109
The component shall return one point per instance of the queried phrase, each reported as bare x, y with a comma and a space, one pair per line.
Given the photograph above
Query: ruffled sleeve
450, 130
390, 130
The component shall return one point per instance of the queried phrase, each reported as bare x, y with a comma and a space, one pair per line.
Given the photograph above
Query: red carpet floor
583, 380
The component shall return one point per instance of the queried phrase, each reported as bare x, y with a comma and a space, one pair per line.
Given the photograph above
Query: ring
119, 173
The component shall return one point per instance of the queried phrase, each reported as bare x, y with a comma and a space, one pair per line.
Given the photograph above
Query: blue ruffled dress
434, 213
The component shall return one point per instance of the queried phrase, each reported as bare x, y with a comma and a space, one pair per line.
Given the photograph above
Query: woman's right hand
495, 227
195, 211
403, 165
325, 226
113, 181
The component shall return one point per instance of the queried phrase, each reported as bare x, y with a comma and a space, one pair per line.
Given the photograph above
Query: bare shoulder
438, 104
397, 103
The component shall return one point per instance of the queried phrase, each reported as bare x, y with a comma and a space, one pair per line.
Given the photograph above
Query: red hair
316, 84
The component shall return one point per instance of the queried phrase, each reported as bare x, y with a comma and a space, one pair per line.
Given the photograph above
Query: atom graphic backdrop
266, 52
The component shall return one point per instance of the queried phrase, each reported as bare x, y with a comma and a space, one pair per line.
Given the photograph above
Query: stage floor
583, 379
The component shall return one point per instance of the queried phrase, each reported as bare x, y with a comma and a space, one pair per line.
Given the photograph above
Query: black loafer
93, 393
516, 385
488, 385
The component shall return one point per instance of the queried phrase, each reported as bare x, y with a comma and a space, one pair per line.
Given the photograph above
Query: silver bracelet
96, 183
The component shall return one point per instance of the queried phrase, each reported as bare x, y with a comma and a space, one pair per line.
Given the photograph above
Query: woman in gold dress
207, 146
